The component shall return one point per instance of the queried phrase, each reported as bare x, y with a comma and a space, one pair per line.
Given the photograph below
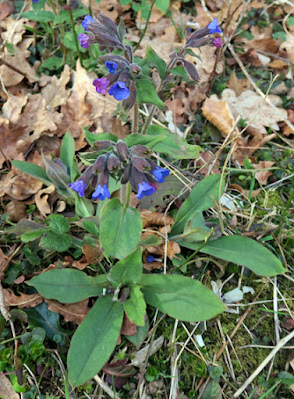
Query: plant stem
285, 212
135, 124
74, 33
149, 119
125, 194
145, 27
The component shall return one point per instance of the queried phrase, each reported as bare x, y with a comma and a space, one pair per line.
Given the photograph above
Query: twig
3, 309
106, 388
281, 343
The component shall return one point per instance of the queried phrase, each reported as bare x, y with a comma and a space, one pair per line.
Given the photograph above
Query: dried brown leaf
55, 92
263, 175
19, 186
173, 248
75, 312
128, 327
155, 218
22, 300
16, 210
6, 388
41, 199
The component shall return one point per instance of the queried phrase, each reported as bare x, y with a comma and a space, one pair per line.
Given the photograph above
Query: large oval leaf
94, 340
128, 270
68, 285
180, 297
199, 200
242, 251
120, 229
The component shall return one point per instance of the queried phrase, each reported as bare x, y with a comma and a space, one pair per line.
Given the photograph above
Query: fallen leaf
16, 210
5, 10
238, 85
6, 388
278, 64
19, 186
128, 327
263, 175
153, 266
287, 47
55, 92
13, 29
207, 163
173, 248
75, 312
155, 218
22, 300
41, 199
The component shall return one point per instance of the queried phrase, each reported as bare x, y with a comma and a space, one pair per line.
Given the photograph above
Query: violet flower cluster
127, 164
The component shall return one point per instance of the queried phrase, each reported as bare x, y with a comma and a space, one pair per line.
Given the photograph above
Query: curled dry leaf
55, 92
41, 199
19, 186
263, 175
173, 248
153, 266
16, 210
75, 312
22, 300
128, 327
91, 255
155, 218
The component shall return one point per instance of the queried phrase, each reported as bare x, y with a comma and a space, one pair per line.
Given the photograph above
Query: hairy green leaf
128, 270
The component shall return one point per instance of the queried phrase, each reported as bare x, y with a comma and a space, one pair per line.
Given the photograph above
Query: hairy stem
74, 33
135, 123
125, 194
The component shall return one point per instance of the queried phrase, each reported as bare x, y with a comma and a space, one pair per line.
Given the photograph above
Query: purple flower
159, 174
119, 91
101, 193
84, 40
79, 186
213, 26
111, 66
150, 258
145, 189
217, 42
35, 1
101, 85
86, 22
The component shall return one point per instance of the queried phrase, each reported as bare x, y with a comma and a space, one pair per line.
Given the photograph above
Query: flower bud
140, 163
135, 70
100, 163
113, 163
102, 145
126, 174
122, 151
140, 150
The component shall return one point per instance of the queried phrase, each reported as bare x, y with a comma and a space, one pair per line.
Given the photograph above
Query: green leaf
149, 141
63, 16
94, 340
93, 137
242, 251
83, 206
128, 270
173, 145
196, 230
52, 63
162, 5
120, 229
91, 226
59, 224
146, 93
68, 285
199, 200
139, 338
151, 241
56, 242
67, 153
41, 16
135, 306
153, 60
180, 297
290, 21
33, 235
32, 170
57, 174
212, 391
41, 316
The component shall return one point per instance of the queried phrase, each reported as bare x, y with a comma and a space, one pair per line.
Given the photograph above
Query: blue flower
79, 186
150, 258
119, 91
213, 26
86, 22
84, 40
159, 174
145, 189
101, 193
111, 66
35, 1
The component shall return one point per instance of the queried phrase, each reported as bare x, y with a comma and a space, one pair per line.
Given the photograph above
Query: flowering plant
132, 165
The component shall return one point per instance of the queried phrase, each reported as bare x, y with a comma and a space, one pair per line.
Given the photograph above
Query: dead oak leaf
252, 107
155, 218
12, 108
19, 186
263, 175
55, 92
205, 65
75, 312
22, 300
6, 388
41, 199
12, 29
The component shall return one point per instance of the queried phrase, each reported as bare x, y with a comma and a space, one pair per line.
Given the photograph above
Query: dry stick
105, 387
256, 88
3, 309
281, 343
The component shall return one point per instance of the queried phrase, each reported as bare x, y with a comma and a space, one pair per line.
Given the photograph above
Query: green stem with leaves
74, 33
